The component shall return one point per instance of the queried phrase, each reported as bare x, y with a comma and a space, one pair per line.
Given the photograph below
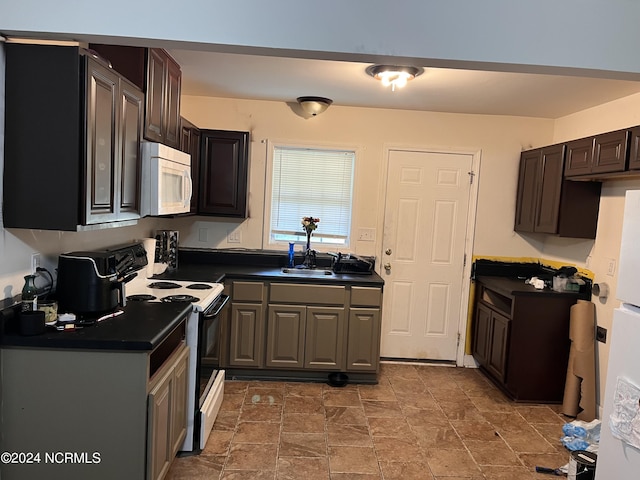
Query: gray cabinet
304, 327
129, 408
325, 338
167, 414
305, 337
246, 329
363, 348
286, 328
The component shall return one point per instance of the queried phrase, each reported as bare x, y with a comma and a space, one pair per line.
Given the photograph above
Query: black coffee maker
92, 283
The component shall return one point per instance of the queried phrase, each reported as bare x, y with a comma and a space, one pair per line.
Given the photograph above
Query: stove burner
142, 297
199, 286
163, 285
180, 298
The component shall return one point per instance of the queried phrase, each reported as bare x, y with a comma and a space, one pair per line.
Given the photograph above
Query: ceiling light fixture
314, 105
393, 75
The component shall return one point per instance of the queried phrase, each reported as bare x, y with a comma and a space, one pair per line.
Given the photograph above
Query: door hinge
464, 260
471, 175
458, 344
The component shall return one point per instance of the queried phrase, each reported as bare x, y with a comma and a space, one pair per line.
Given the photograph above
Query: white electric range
205, 385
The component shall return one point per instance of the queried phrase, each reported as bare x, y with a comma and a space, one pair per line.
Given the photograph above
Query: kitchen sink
314, 272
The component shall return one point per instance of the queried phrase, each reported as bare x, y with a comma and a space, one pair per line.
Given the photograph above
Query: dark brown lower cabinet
521, 338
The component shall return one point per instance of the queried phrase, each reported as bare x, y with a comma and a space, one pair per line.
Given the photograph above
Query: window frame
268, 187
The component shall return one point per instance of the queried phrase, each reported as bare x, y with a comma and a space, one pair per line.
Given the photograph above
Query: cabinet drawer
248, 292
366, 297
307, 294
496, 300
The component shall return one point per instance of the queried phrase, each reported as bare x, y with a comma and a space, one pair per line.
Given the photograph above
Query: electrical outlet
601, 334
35, 262
234, 236
611, 267
367, 234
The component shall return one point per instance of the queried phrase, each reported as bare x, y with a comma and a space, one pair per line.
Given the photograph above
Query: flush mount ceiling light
393, 75
314, 105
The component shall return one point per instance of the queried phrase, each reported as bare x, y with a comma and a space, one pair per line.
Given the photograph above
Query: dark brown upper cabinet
579, 157
190, 143
634, 148
604, 153
160, 77
72, 144
546, 203
224, 166
162, 119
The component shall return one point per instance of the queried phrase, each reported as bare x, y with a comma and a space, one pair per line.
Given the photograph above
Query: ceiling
437, 89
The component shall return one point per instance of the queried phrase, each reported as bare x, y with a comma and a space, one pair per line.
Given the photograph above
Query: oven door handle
220, 305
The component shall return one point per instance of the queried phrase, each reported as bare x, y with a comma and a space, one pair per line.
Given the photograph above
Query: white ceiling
437, 89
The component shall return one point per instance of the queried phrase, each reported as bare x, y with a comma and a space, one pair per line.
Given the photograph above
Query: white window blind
310, 182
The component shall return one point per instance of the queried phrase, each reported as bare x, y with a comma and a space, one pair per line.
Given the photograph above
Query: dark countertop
199, 265
142, 327
218, 273
510, 286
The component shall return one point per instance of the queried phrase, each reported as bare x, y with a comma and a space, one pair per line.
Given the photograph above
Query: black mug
31, 322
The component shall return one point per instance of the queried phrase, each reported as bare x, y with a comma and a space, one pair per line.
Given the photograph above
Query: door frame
476, 154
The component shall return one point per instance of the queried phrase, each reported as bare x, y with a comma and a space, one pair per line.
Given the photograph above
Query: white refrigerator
619, 449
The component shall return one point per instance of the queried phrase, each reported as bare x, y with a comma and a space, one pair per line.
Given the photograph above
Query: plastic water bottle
291, 245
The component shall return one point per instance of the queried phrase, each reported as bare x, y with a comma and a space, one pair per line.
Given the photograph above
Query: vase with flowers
309, 224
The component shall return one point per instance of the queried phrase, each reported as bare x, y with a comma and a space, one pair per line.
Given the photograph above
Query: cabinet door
172, 104
634, 149
285, 336
324, 343
246, 335
179, 402
223, 173
579, 157
155, 106
132, 118
526, 200
610, 152
550, 187
190, 143
159, 420
498, 345
102, 166
363, 339
481, 333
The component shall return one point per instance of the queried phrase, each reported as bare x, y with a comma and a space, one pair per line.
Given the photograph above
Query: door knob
388, 251
387, 267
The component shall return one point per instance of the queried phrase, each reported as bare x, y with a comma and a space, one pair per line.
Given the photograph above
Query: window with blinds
311, 182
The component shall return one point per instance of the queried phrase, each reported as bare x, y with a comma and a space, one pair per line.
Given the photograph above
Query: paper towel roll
150, 247
580, 387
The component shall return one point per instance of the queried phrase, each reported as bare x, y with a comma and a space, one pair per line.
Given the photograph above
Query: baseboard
469, 362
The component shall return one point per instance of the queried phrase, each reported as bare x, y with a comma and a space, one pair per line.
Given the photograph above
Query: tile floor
419, 422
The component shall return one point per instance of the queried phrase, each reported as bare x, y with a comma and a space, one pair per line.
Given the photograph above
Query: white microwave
166, 180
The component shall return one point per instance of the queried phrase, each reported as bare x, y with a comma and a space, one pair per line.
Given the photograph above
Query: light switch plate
234, 236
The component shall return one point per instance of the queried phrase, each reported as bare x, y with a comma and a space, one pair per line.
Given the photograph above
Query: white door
425, 222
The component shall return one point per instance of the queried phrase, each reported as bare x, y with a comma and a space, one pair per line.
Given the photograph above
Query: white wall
500, 140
